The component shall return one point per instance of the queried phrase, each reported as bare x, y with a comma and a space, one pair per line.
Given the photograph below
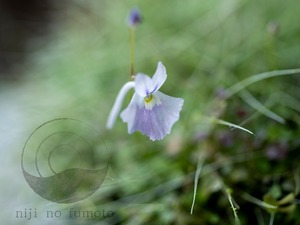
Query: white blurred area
16, 194
49, 80
22, 24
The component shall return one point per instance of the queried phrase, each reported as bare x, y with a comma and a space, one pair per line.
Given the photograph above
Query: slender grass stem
253, 102
258, 77
258, 202
196, 180
272, 218
232, 205
222, 122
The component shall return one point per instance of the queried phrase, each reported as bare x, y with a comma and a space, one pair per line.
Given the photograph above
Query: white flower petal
155, 123
143, 84
159, 76
118, 103
128, 115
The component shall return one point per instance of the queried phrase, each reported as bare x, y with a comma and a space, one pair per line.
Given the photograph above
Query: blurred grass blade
222, 122
196, 180
258, 77
254, 103
297, 181
257, 201
287, 199
234, 206
288, 100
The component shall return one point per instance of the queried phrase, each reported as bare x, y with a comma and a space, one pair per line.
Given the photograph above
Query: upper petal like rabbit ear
159, 76
143, 85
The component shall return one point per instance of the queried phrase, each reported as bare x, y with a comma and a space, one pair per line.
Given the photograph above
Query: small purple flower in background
134, 17
149, 111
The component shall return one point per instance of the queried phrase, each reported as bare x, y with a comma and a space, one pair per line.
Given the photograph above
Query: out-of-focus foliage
207, 47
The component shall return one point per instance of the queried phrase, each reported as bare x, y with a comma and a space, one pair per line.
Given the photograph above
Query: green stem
132, 53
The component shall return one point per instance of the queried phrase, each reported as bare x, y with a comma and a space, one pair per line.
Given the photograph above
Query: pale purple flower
149, 111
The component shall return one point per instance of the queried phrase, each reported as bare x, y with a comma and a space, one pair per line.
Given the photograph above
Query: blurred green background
79, 61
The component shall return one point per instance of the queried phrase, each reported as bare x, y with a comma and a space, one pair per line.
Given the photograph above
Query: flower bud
134, 17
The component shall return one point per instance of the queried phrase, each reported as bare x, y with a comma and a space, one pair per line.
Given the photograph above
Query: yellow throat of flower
150, 101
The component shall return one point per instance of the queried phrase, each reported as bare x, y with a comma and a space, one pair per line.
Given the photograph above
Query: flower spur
150, 111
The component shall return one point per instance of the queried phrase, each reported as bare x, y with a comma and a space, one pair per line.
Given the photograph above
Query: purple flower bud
134, 17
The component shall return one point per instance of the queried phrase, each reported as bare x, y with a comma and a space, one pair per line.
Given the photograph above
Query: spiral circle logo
64, 160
